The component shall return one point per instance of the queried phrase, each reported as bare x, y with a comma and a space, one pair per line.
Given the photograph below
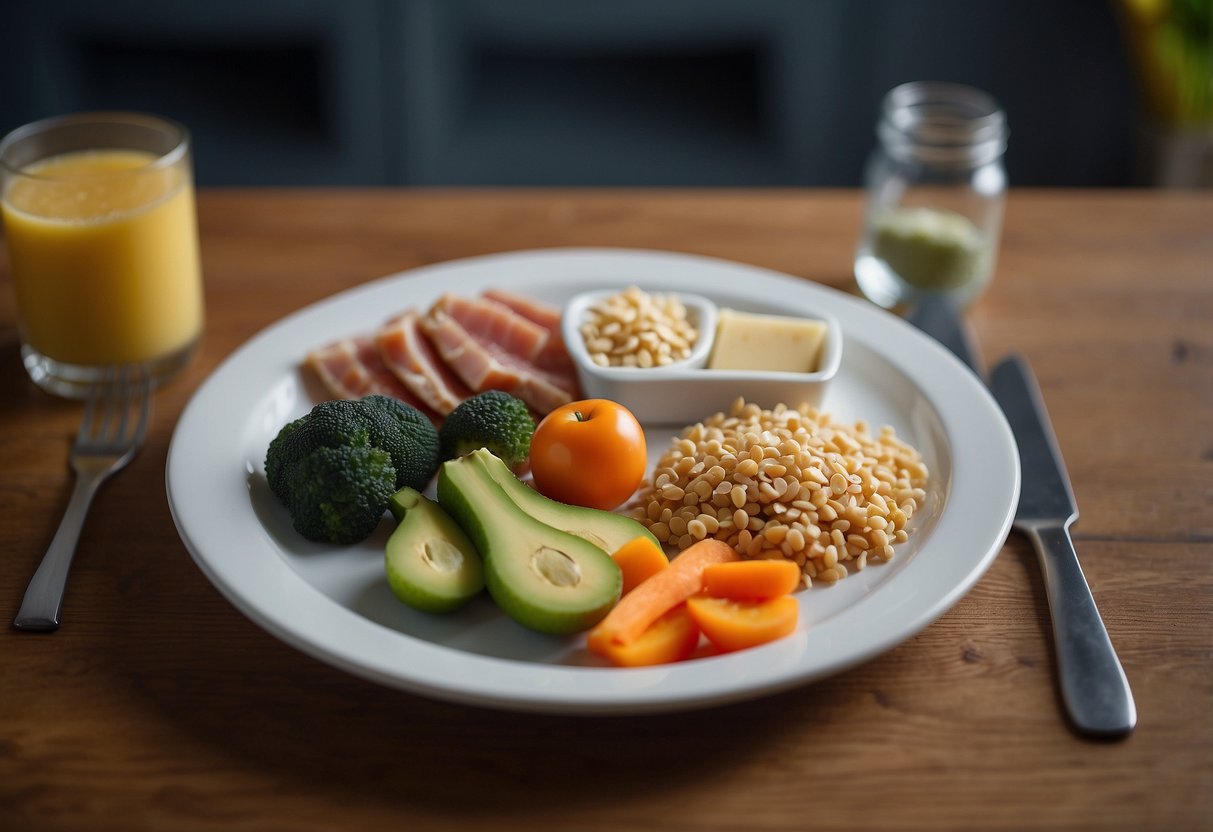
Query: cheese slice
748, 341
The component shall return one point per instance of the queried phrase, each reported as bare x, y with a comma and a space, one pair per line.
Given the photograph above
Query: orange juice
104, 253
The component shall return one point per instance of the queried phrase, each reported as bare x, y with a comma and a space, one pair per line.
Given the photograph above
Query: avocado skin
605, 529
507, 537
414, 582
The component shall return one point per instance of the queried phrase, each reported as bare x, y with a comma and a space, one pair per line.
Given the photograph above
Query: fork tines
123, 388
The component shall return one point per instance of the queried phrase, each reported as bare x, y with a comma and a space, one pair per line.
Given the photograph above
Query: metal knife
1093, 684
941, 319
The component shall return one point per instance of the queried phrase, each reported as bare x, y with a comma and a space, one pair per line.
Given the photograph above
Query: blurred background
1101, 93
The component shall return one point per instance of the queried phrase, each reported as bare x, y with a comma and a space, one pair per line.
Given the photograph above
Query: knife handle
1093, 684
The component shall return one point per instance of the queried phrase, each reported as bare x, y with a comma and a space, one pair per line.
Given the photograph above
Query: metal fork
114, 424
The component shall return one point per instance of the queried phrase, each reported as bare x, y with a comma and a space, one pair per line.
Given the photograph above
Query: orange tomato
734, 625
589, 453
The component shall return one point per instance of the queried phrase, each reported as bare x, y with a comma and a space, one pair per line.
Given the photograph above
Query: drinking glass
102, 237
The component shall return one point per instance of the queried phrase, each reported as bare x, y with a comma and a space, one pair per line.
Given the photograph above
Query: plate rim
775, 667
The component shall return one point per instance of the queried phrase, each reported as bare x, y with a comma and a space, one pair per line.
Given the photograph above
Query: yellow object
104, 252
746, 341
1171, 44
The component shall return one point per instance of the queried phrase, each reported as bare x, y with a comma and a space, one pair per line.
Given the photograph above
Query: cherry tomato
589, 453
735, 625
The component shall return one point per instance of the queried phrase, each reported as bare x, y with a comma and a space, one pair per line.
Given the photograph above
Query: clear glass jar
935, 192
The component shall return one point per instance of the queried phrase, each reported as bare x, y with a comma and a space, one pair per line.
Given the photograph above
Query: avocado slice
605, 529
543, 578
431, 564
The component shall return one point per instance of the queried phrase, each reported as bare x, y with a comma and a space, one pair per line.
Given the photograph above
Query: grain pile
633, 328
787, 483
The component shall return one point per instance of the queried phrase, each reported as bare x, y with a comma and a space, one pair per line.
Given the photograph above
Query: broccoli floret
407, 434
331, 424
493, 420
328, 467
338, 495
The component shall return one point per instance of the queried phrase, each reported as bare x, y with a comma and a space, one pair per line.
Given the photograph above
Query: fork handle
1093, 684
40, 607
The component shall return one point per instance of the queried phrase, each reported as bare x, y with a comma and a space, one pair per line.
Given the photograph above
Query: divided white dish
685, 391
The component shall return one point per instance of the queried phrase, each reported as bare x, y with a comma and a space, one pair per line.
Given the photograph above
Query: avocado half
431, 564
542, 577
605, 529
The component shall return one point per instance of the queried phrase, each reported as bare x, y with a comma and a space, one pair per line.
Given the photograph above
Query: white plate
334, 603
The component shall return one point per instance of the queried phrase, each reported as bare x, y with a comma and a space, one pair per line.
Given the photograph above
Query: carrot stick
671, 638
751, 579
661, 592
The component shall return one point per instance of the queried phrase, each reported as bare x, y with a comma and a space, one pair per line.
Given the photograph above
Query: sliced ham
487, 364
408, 353
462, 346
554, 354
492, 323
537, 312
352, 368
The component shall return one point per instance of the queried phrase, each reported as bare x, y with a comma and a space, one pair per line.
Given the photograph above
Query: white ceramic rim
204, 479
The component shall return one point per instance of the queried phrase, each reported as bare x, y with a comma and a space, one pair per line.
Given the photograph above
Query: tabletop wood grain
158, 705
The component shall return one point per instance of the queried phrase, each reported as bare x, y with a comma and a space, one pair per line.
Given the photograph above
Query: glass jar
935, 192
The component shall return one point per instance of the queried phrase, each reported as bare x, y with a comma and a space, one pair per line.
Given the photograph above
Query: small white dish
684, 392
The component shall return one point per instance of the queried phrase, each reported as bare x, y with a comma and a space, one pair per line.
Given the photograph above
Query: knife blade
941, 319
1093, 683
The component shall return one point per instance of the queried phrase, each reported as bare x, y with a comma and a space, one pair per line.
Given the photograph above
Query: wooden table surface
157, 705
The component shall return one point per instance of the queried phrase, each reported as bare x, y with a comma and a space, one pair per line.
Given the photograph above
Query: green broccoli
493, 420
330, 424
338, 495
336, 468
407, 434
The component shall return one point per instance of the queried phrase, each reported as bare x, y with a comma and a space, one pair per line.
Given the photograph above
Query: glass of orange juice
102, 238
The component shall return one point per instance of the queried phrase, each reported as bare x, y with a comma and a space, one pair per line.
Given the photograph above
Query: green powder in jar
929, 248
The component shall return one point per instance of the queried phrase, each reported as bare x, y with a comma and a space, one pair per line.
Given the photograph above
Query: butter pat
747, 341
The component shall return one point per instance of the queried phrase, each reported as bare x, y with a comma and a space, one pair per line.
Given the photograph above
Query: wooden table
158, 705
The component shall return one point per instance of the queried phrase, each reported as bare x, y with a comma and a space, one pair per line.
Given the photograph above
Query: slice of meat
493, 323
486, 365
554, 354
351, 368
408, 353
535, 311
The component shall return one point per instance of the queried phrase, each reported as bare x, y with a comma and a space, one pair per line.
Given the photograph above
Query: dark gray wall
578, 92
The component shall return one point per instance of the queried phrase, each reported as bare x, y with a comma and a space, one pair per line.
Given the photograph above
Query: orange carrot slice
671, 638
662, 591
639, 559
734, 625
751, 579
